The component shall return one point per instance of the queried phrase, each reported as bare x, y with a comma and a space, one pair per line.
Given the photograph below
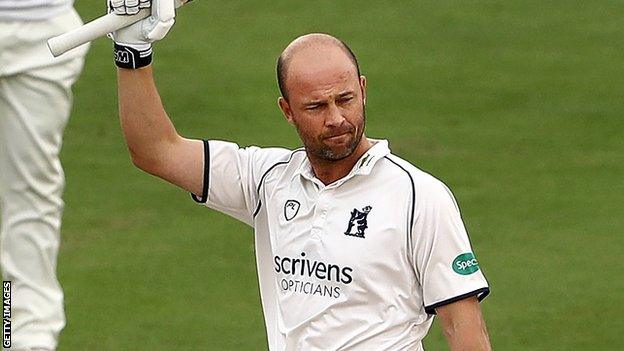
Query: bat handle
97, 28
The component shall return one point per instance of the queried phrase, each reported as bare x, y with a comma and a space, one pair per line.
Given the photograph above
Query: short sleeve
444, 261
231, 175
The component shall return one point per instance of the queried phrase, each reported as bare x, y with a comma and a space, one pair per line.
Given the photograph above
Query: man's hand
463, 325
133, 44
128, 7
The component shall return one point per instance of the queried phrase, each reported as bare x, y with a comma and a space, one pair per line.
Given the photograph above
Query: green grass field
516, 105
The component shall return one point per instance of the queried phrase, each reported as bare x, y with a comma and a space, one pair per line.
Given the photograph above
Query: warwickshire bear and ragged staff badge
358, 222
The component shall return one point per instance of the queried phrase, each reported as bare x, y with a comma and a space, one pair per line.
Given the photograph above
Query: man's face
326, 104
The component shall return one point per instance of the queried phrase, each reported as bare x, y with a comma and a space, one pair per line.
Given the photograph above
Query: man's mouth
337, 136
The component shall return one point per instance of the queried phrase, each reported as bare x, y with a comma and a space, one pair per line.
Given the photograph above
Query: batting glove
133, 44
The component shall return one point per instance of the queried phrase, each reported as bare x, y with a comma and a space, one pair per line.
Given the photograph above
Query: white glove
128, 7
133, 43
147, 31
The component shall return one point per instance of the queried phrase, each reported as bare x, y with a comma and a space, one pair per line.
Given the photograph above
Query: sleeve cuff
204, 196
480, 293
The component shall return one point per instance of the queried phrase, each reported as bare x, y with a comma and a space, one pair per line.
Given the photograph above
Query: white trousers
35, 102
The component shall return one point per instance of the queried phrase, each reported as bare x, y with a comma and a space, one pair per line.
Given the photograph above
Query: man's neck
330, 171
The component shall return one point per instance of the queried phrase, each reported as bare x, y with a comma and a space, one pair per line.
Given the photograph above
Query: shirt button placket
320, 216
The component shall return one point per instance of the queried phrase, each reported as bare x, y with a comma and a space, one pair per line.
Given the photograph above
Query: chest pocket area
290, 212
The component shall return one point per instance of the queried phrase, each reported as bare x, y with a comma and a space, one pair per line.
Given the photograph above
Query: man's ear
363, 88
286, 110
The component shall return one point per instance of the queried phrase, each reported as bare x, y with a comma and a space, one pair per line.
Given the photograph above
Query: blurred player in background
35, 103
356, 248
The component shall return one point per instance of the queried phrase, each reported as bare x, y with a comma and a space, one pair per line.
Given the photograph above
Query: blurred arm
154, 144
463, 325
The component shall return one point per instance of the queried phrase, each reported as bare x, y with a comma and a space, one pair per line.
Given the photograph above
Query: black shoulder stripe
409, 230
480, 293
266, 173
257, 208
204, 196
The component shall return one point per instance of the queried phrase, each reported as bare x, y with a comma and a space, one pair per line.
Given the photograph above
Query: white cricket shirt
359, 264
32, 10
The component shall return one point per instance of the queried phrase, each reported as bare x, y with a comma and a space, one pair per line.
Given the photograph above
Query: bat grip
97, 28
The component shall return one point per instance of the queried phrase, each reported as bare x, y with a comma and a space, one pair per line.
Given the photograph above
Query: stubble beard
324, 152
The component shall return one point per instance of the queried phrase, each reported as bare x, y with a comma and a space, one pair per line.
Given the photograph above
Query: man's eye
346, 99
312, 107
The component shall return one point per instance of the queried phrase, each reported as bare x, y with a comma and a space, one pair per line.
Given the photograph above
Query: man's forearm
463, 326
146, 126
468, 337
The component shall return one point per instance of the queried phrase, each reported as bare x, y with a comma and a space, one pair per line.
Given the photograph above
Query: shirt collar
363, 166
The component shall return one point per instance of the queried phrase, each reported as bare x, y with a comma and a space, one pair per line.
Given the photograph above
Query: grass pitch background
516, 105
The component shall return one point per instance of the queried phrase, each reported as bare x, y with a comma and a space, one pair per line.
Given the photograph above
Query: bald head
310, 45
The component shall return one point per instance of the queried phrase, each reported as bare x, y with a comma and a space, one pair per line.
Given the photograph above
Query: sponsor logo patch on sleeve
465, 264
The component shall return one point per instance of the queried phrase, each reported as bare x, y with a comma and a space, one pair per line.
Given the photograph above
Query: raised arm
154, 144
463, 325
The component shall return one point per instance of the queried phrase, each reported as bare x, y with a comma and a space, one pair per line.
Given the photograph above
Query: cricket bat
97, 28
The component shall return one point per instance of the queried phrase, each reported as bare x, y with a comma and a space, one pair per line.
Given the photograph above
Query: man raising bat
356, 248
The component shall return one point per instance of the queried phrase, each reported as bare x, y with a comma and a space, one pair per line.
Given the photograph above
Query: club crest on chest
291, 208
358, 222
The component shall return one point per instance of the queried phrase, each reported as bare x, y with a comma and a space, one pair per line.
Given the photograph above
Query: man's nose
334, 115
